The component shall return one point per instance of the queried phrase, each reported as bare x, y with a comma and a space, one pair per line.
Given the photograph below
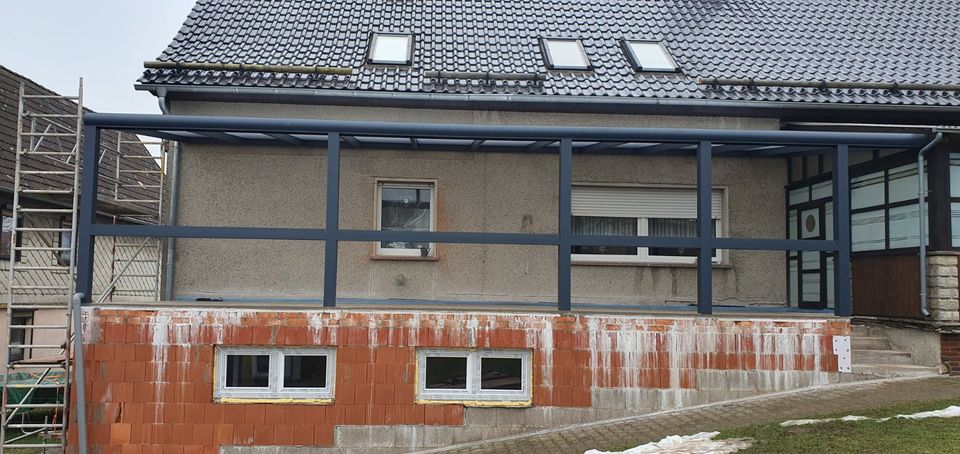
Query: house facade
467, 170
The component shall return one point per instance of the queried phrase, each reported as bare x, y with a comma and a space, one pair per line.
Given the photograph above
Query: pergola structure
334, 136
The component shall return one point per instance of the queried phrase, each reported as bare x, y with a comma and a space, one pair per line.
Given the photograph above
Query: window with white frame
406, 206
258, 373
563, 53
649, 56
643, 211
391, 48
474, 375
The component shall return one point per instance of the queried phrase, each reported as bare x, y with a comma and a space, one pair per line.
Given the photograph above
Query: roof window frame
625, 44
372, 42
548, 59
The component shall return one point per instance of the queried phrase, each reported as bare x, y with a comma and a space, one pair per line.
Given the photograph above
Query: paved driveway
628, 432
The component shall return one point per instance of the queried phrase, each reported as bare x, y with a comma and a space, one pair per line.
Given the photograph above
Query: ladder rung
39, 326
60, 405
32, 445
41, 268
34, 385
50, 97
36, 426
39, 115
137, 200
48, 153
136, 275
125, 156
140, 171
39, 306
41, 248
47, 172
48, 134
47, 191
146, 186
45, 210
39, 287
42, 229
38, 346
37, 366
120, 289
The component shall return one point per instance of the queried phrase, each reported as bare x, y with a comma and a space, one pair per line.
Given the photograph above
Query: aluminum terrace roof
857, 40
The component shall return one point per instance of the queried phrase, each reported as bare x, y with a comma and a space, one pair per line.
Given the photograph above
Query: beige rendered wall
284, 187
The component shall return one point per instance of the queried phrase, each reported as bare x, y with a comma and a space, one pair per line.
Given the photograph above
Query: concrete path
627, 432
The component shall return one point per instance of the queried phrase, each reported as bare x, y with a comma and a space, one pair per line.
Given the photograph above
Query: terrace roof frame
564, 141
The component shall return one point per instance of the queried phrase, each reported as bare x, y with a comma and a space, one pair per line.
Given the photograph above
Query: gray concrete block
510, 417
437, 436
480, 417
365, 436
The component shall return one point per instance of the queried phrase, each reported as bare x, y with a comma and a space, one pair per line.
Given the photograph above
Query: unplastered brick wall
950, 352
149, 373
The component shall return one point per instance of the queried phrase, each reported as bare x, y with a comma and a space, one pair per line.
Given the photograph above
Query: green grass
931, 435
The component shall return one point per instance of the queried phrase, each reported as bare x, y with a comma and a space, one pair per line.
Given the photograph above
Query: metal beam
762, 244
538, 145
218, 135
600, 146
87, 213
841, 232
564, 227
286, 138
331, 246
476, 144
351, 140
705, 228
532, 239
181, 231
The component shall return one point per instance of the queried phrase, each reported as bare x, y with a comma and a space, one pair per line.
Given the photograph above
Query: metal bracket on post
332, 221
841, 232
564, 210
705, 228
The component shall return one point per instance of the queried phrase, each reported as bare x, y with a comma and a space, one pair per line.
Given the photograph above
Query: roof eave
793, 111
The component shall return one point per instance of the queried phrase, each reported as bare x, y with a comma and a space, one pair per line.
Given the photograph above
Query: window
20, 336
649, 56
631, 211
6, 238
391, 48
406, 207
64, 241
565, 54
258, 373
474, 375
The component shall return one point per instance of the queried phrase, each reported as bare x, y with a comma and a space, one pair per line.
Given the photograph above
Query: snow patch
952, 411
701, 443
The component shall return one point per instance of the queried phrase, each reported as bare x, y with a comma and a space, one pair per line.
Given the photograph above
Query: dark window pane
248, 371
5, 237
446, 373
501, 373
674, 227
405, 209
304, 371
593, 225
66, 239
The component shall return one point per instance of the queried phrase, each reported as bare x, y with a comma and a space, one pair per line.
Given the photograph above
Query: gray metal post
88, 212
80, 394
332, 221
564, 218
705, 228
841, 232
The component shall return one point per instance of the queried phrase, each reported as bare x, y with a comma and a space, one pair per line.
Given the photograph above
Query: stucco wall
284, 187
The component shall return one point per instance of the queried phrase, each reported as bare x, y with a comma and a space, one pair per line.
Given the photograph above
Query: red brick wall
149, 373
950, 352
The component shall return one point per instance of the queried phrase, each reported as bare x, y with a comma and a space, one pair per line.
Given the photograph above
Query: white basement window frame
399, 248
275, 389
649, 56
565, 53
473, 392
388, 48
637, 208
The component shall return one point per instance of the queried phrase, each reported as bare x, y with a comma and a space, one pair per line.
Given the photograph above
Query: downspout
174, 190
921, 199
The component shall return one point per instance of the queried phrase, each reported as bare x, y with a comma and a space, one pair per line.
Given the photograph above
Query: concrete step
859, 331
895, 370
870, 343
881, 357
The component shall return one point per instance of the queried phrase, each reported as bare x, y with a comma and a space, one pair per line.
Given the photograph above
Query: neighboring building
427, 333
50, 286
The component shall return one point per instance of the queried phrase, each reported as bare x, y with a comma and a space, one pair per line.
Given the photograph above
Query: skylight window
391, 49
565, 54
649, 56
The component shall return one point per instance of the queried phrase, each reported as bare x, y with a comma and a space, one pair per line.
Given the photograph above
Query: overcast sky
54, 42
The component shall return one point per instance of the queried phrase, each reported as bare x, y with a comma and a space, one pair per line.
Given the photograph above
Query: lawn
932, 435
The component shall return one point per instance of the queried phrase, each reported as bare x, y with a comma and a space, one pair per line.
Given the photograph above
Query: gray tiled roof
853, 40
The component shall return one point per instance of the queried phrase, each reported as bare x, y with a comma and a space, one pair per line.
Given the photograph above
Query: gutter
174, 191
921, 203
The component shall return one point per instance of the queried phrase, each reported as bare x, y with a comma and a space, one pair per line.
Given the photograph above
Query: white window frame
635, 59
373, 48
275, 389
406, 184
473, 392
551, 64
643, 256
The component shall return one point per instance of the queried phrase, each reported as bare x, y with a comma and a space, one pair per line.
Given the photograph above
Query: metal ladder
137, 261
49, 129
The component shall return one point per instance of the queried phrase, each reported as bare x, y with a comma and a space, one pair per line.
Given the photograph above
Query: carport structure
336, 136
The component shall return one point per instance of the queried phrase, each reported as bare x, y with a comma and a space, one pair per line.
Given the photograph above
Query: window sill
478, 403
405, 258
274, 400
721, 266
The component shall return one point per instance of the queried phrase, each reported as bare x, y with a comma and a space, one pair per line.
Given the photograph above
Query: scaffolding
42, 270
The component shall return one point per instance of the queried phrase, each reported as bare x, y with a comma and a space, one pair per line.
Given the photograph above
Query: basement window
649, 56
272, 374
406, 207
391, 49
490, 377
564, 54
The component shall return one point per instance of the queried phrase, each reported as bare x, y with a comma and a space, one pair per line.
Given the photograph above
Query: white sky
54, 42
